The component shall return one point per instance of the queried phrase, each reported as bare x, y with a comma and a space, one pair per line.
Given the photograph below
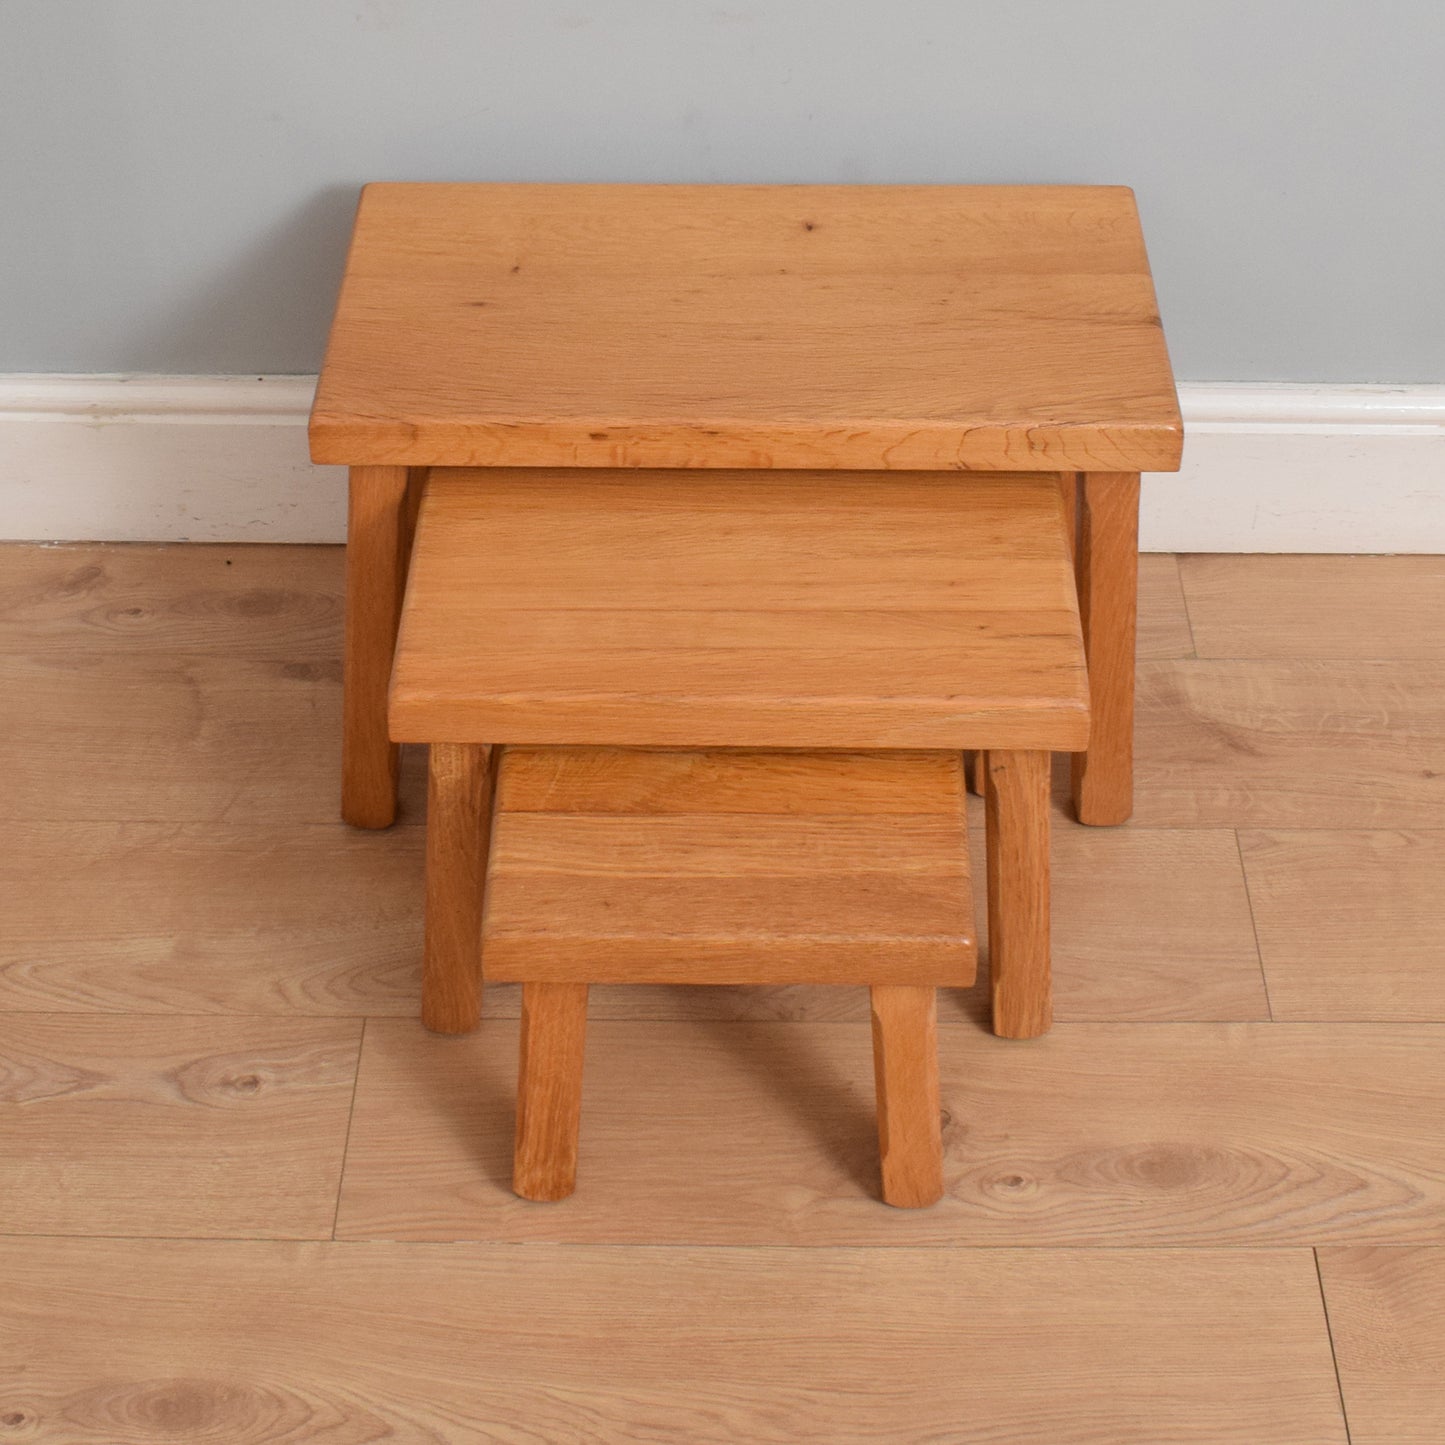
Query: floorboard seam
1184, 600
346, 1143
1254, 926
1334, 1358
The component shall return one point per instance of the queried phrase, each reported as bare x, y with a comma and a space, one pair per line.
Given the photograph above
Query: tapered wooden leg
1107, 566
549, 1089
374, 555
1017, 807
461, 780
905, 1069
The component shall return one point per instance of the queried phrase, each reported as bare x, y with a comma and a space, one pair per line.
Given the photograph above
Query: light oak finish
1351, 924
1387, 1325
789, 883
865, 327
740, 610
905, 1072
254, 1344
1317, 607
460, 783
1291, 744
1101, 1135
1107, 561
549, 1090
173, 1126
1017, 801
375, 564
730, 782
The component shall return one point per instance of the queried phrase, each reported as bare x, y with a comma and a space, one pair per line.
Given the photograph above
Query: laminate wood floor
245, 1198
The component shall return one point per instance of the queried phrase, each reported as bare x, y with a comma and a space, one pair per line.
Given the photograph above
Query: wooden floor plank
201, 918
1316, 607
1290, 744
179, 1127
316, 919
1163, 627
728, 1133
1351, 924
290, 1343
105, 737
1387, 1318
140, 599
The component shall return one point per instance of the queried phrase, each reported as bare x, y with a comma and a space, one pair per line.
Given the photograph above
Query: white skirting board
1267, 468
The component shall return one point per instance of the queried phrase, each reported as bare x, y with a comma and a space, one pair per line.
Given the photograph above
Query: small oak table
966, 329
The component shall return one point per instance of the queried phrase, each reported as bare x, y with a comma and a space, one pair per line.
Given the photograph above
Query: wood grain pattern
1317, 607
461, 780
901, 327
1291, 744
1017, 800
604, 781
173, 1126
375, 567
1107, 554
768, 891
281, 1344
134, 598
740, 610
905, 1073
1351, 924
1387, 1323
1109, 1135
202, 918
109, 738
549, 1090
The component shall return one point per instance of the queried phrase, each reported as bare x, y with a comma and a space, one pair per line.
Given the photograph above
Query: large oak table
961, 329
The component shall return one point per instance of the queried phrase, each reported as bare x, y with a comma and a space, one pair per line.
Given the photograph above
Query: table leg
1017, 836
905, 1071
461, 786
378, 543
549, 1090
1107, 566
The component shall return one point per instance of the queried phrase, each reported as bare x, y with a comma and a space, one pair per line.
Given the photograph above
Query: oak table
843, 611
966, 329
629, 671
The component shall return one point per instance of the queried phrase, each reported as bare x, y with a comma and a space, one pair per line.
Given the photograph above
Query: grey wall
177, 176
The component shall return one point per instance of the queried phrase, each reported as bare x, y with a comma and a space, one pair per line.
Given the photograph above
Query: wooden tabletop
639, 866
741, 609
859, 327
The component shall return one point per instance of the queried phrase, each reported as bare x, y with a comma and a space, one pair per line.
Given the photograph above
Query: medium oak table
967, 329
